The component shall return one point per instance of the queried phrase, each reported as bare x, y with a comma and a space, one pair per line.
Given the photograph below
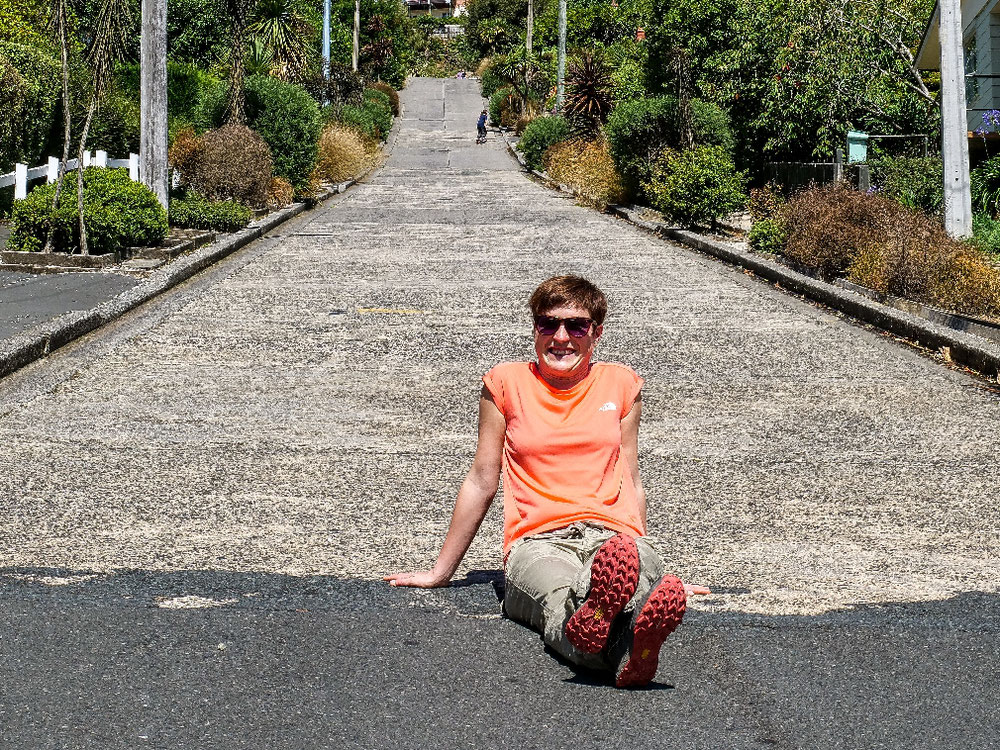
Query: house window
971, 66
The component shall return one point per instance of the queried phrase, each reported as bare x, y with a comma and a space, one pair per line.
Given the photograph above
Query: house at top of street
981, 41
437, 8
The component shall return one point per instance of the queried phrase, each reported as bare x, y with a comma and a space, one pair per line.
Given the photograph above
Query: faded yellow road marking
390, 311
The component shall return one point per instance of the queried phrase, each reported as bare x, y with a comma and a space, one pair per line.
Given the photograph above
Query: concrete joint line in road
965, 349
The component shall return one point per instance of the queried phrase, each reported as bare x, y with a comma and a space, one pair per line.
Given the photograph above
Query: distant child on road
564, 432
481, 127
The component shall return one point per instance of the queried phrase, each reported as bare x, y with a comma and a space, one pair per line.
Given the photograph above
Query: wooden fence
795, 175
23, 174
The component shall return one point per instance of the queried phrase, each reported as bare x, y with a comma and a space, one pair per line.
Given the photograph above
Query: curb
28, 346
966, 349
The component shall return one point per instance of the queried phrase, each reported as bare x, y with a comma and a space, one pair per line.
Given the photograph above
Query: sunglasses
575, 327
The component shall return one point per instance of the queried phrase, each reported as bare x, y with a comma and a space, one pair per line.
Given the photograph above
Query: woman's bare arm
474, 498
630, 451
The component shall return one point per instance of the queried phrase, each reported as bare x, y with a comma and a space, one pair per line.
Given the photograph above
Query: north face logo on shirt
610, 406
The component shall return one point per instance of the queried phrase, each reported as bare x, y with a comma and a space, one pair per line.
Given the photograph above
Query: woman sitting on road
565, 433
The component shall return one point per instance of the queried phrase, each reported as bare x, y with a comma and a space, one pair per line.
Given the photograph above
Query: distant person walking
481, 127
563, 430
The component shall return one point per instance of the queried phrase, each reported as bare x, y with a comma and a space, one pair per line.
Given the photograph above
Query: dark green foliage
195, 97
193, 211
915, 182
372, 119
638, 130
115, 128
767, 236
504, 107
198, 32
986, 234
118, 213
390, 92
30, 85
386, 46
288, 120
697, 186
494, 26
541, 133
986, 187
490, 80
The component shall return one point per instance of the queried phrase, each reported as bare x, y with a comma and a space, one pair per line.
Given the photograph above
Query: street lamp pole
954, 127
326, 38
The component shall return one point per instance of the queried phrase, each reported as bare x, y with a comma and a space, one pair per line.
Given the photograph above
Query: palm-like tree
283, 30
588, 93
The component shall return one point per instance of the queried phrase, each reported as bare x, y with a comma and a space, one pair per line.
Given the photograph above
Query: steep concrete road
199, 500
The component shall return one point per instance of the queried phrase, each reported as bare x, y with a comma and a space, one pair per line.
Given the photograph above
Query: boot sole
658, 618
614, 577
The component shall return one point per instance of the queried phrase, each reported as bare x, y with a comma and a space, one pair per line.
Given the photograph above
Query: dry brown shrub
764, 202
889, 248
231, 163
389, 91
343, 154
483, 65
280, 193
522, 122
586, 167
185, 153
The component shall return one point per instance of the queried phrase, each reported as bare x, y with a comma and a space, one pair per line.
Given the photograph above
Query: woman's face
561, 355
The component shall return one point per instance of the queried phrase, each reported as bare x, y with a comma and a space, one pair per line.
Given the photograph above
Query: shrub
540, 134
985, 184
288, 119
489, 79
381, 110
231, 163
696, 186
280, 193
194, 211
915, 183
767, 236
504, 108
118, 213
637, 132
765, 202
889, 248
390, 92
522, 124
343, 86
343, 154
586, 167
986, 234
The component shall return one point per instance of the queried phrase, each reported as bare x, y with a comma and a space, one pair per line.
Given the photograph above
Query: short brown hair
573, 291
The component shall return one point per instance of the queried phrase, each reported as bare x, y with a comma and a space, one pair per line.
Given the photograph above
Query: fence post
133, 167
86, 159
838, 165
864, 178
53, 173
20, 181
101, 160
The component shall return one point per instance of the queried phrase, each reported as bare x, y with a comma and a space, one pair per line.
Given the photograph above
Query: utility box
857, 146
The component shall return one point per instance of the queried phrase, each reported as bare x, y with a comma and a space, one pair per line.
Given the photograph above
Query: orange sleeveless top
562, 459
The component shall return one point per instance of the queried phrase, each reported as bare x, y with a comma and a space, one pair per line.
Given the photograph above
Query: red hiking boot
658, 618
614, 577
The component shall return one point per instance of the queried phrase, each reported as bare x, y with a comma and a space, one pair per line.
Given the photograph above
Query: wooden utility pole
954, 126
561, 66
357, 34
153, 99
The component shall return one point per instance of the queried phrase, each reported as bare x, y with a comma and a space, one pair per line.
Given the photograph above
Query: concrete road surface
200, 499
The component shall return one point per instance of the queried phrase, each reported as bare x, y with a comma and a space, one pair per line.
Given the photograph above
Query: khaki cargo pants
548, 577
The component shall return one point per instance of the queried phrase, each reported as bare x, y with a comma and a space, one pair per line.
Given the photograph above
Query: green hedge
288, 119
118, 213
696, 186
192, 211
541, 133
639, 130
372, 119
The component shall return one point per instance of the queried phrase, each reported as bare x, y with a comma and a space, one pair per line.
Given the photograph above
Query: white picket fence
23, 174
